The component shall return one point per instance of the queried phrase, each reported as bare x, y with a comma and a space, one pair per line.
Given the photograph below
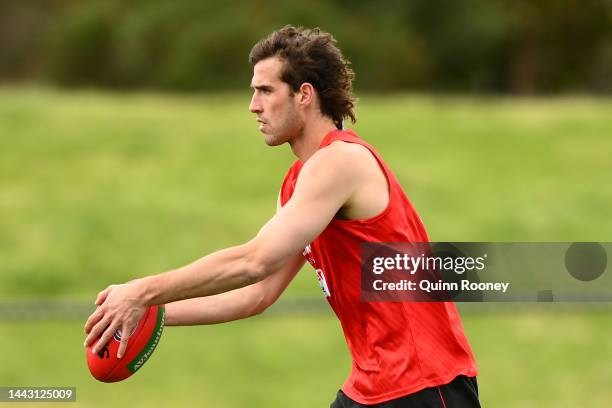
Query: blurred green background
126, 149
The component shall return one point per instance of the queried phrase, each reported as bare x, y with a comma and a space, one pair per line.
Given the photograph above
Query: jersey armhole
384, 170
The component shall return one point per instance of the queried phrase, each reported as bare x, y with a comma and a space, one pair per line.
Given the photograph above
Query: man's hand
119, 307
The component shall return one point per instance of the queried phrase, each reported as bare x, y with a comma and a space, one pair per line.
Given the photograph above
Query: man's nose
255, 106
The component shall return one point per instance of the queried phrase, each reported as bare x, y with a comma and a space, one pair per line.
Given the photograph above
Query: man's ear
306, 94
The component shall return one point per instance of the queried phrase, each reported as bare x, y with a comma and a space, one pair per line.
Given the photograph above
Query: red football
106, 367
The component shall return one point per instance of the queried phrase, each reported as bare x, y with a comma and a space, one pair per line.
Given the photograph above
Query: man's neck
309, 141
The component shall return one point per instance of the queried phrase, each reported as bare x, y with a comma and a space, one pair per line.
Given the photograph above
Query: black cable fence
30, 310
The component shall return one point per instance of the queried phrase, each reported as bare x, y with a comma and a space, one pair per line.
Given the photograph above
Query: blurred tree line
515, 46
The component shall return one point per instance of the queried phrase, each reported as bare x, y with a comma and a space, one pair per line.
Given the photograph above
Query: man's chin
272, 140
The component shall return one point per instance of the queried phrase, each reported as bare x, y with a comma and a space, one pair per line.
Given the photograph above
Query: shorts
462, 392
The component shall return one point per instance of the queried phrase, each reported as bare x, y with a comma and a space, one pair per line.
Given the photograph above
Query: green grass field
98, 188
525, 360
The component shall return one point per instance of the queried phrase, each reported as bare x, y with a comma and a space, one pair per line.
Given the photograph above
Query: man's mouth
262, 123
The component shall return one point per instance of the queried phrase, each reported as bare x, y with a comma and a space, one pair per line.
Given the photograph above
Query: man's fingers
105, 338
102, 295
118, 308
93, 319
126, 330
96, 332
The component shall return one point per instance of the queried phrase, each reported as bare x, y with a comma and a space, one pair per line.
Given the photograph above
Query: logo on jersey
307, 253
323, 282
320, 275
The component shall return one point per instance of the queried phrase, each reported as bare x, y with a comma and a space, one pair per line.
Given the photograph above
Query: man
338, 194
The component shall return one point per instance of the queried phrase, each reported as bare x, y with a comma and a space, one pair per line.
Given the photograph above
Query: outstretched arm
325, 185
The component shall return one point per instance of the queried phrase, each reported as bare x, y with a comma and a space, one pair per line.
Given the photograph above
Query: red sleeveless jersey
397, 348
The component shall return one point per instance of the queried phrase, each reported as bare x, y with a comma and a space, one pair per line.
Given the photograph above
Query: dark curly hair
312, 55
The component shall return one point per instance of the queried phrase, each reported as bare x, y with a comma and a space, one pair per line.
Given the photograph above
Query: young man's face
273, 103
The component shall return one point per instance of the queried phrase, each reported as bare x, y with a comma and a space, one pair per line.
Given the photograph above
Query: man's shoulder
341, 166
342, 156
348, 149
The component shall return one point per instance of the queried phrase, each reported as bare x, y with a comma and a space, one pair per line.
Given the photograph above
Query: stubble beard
288, 130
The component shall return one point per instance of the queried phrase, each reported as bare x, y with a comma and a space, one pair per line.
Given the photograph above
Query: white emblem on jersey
323, 282
320, 275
